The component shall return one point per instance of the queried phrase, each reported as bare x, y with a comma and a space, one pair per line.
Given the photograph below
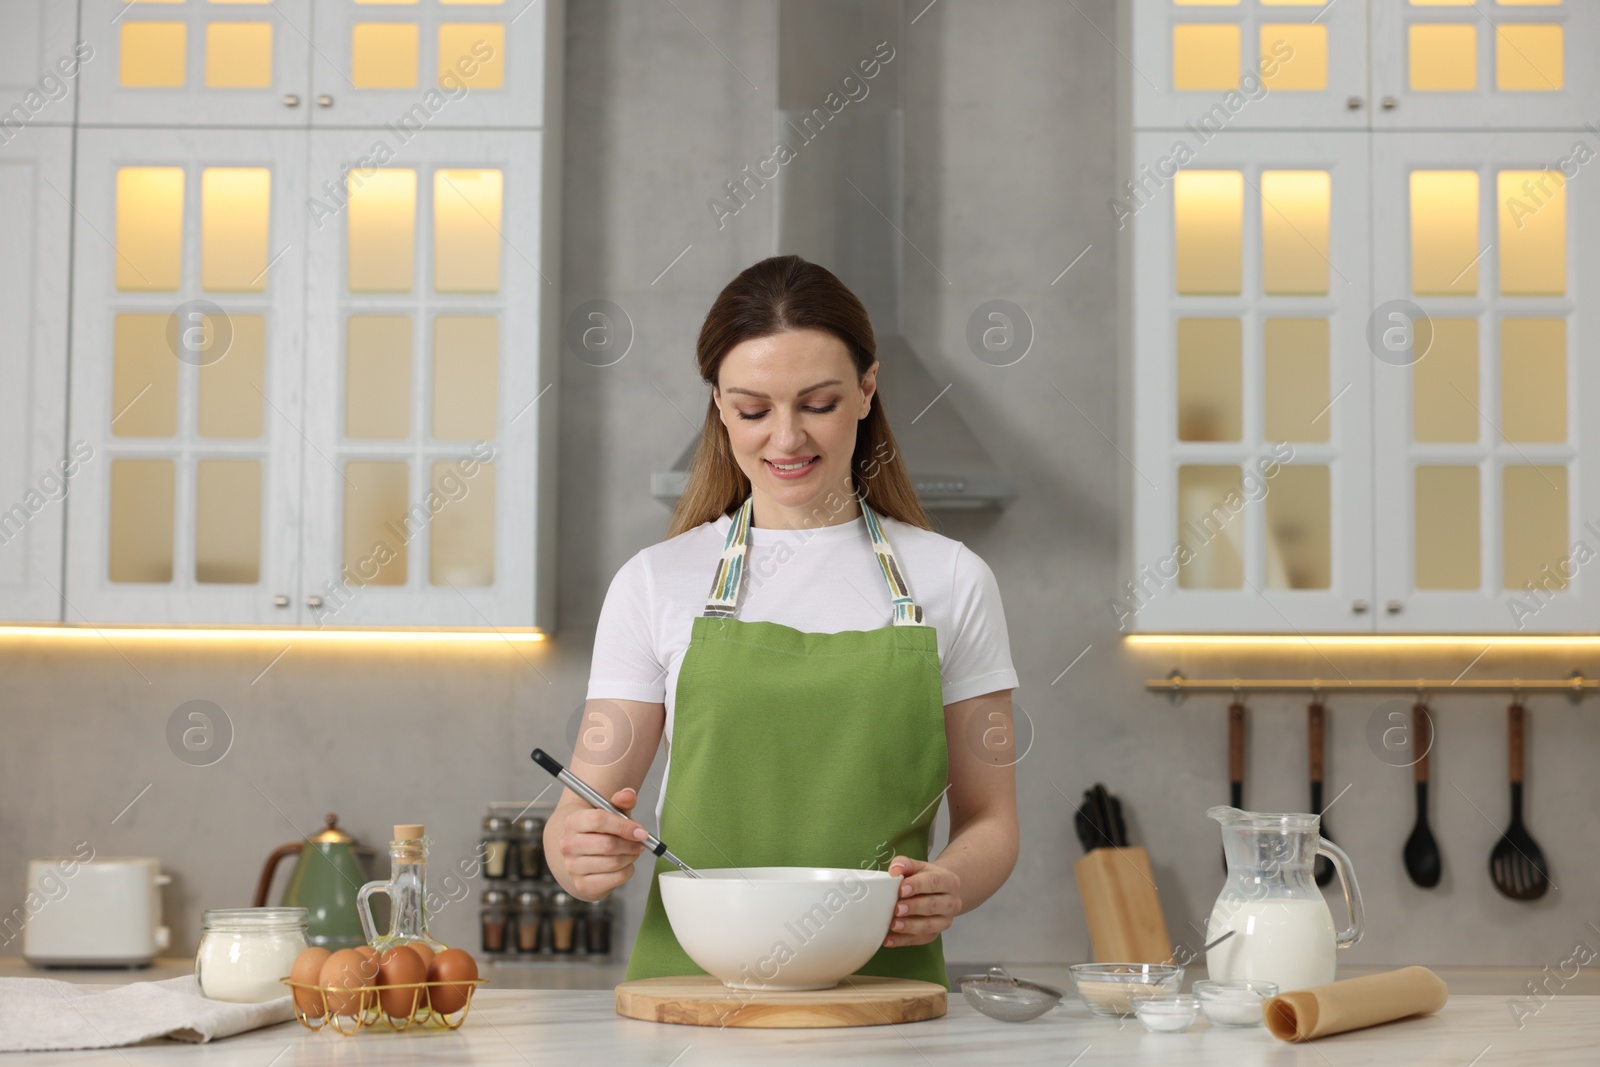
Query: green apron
794, 749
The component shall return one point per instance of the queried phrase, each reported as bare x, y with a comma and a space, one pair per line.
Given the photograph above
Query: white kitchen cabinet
433, 64
1252, 450
196, 63
39, 65
242, 348
1249, 64
188, 328
429, 289
403, 66
1461, 478
38, 468
1477, 64
1486, 504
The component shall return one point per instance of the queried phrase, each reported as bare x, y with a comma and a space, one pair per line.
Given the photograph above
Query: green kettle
332, 869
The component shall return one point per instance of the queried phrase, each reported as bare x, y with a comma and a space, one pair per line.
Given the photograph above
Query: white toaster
94, 913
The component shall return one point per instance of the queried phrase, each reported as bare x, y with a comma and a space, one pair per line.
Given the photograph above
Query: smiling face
791, 404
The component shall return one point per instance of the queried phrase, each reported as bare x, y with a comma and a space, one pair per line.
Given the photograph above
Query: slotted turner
1517, 865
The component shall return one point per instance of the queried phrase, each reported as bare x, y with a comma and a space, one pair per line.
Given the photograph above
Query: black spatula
1423, 864
1517, 864
1235, 760
1316, 734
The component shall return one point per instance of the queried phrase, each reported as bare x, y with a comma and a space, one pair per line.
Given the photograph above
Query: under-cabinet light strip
1303, 642
245, 633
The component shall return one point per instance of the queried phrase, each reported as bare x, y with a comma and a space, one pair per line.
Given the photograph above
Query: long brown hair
774, 296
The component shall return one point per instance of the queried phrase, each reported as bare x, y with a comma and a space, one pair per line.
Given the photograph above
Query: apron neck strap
729, 580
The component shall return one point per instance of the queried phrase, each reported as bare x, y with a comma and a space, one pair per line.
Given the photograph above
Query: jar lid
559, 899
495, 823
494, 896
243, 919
603, 904
530, 898
530, 825
407, 831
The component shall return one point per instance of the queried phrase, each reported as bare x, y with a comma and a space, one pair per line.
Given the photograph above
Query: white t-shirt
822, 580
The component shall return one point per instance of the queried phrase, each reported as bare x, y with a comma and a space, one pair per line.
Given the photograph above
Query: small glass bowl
1112, 989
1167, 1014
1237, 1003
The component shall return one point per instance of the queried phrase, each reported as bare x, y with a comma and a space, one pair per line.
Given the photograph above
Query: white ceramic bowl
780, 928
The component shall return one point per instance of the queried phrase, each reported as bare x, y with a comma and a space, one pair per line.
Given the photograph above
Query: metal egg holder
370, 1013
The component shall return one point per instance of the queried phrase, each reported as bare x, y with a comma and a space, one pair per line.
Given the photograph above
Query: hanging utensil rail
1575, 684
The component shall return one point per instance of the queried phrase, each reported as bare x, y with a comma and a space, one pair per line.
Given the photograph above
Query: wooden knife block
1121, 906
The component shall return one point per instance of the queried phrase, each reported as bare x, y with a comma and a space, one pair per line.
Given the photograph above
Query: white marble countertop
518, 1028
585, 974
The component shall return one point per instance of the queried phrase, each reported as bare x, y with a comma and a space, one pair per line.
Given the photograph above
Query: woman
849, 669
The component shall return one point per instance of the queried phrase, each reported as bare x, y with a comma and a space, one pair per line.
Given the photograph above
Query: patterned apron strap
728, 581
906, 611
724, 599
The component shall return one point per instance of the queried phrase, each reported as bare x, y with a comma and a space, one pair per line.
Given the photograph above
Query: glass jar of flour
245, 951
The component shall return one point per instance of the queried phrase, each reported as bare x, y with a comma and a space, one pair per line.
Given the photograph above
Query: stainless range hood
839, 203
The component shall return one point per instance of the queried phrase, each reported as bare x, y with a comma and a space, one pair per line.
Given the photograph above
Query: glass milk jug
406, 890
1283, 930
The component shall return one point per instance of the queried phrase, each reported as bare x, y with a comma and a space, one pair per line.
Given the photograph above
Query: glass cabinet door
1485, 64
194, 62
186, 368
408, 65
429, 282
38, 469
1487, 259
1202, 66
1251, 444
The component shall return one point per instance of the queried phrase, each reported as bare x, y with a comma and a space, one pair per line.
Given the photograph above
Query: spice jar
530, 920
530, 848
494, 915
245, 951
597, 927
563, 922
496, 847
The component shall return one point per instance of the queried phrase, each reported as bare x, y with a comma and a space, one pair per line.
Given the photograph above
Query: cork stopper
407, 831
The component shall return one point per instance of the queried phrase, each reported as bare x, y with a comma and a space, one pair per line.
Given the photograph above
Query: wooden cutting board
701, 1000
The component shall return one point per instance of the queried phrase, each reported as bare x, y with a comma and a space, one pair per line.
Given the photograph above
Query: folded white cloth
40, 1013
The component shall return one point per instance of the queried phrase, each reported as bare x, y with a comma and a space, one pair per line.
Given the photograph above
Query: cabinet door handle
1393, 607
280, 601
1359, 607
1390, 103
291, 100
1354, 103
324, 100
313, 601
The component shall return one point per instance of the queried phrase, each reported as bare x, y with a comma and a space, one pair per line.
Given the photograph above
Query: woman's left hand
930, 899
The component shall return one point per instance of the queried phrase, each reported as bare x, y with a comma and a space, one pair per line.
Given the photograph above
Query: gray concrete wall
1010, 139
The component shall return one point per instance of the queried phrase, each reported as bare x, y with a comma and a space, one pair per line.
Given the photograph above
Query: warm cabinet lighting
1473, 643
310, 635
1205, 56
1444, 232
1209, 210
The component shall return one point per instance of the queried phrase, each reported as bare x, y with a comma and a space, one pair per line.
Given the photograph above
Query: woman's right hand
599, 848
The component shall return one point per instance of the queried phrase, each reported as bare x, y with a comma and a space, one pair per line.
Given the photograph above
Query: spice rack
525, 917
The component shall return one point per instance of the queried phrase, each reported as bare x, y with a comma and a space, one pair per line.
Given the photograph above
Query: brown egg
348, 969
307, 969
451, 965
399, 967
423, 949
